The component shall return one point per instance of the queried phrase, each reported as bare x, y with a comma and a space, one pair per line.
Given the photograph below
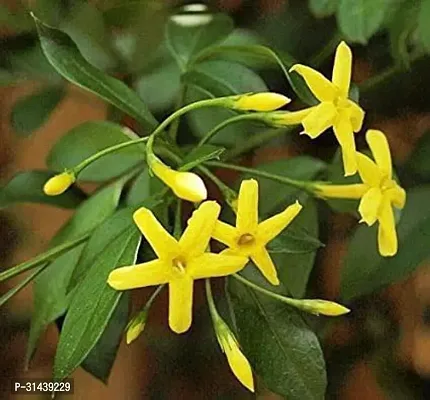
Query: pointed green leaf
27, 187
93, 305
198, 156
89, 138
65, 57
31, 112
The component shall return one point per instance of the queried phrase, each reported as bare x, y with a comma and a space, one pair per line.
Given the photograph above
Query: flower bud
324, 307
236, 359
185, 185
59, 184
136, 326
266, 101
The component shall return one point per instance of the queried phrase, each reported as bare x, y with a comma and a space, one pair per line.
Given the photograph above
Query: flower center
246, 239
387, 183
179, 265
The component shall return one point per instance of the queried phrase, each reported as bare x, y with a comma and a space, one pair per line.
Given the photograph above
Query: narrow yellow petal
164, 244
397, 195
369, 206
151, 273
180, 304
247, 209
282, 118
368, 170
266, 101
387, 236
239, 365
345, 136
320, 119
186, 185
273, 226
197, 234
58, 184
225, 233
381, 151
356, 115
319, 85
211, 265
264, 263
354, 191
342, 68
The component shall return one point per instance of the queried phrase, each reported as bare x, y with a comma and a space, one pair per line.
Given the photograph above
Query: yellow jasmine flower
58, 184
266, 101
379, 192
236, 359
179, 263
185, 185
335, 109
249, 237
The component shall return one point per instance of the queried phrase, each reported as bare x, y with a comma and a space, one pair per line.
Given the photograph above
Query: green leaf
65, 57
31, 112
143, 187
294, 241
93, 305
323, 8
51, 295
100, 360
359, 20
280, 346
27, 187
215, 79
418, 162
89, 138
365, 271
200, 155
185, 41
423, 24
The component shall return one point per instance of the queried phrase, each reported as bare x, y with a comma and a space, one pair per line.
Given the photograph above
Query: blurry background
383, 350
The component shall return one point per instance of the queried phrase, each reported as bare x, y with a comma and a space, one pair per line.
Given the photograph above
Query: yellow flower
335, 109
185, 185
179, 263
236, 360
379, 192
58, 184
266, 101
249, 237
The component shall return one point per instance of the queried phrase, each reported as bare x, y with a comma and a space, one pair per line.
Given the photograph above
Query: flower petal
160, 240
342, 68
345, 136
247, 208
356, 115
291, 117
211, 265
369, 206
319, 85
320, 119
272, 227
197, 234
368, 170
387, 236
353, 191
381, 151
151, 273
264, 263
180, 304
397, 196
225, 233
239, 364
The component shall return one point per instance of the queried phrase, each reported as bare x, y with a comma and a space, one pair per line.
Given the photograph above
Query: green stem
211, 303
222, 125
177, 228
12, 292
287, 300
41, 258
154, 295
307, 186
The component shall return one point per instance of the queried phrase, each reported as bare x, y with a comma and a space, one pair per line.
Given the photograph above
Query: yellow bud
185, 185
59, 184
266, 101
324, 307
136, 326
236, 359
